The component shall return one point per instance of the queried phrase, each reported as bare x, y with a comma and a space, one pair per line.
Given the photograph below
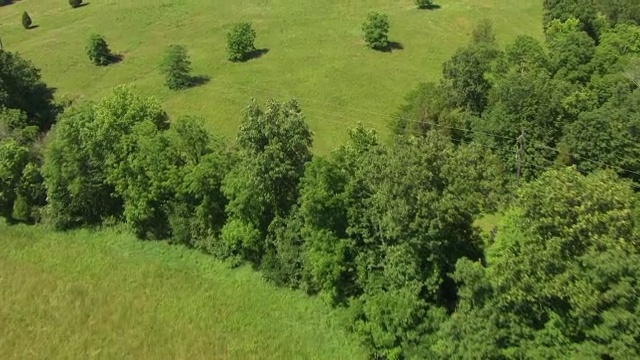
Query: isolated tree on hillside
26, 20
424, 4
176, 67
376, 31
240, 42
98, 50
75, 3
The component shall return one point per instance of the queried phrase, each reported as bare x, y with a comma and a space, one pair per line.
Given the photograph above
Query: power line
590, 160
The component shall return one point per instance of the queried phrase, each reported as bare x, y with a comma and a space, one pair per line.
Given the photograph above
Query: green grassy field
315, 52
83, 295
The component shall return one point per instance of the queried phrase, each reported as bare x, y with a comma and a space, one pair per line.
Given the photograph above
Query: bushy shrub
26, 20
75, 3
176, 67
98, 50
376, 30
240, 42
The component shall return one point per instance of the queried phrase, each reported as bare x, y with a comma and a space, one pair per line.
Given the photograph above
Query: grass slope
84, 295
315, 52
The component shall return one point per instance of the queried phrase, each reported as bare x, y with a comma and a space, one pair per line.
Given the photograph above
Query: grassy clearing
315, 52
487, 222
83, 295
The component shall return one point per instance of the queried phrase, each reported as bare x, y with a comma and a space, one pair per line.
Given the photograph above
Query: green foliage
176, 68
376, 31
21, 186
170, 182
196, 210
87, 159
26, 20
526, 54
283, 261
584, 11
75, 3
263, 185
330, 199
409, 187
24, 93
240, 42
75, 174
528, 101
559, 280
464, 77
571, 50
389, 230
607, 137
620, 11
616, 48
13, 159
98, 51
424, 4
465, 74
426, 109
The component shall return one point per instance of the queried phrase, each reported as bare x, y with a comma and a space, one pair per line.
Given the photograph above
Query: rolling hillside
315, 52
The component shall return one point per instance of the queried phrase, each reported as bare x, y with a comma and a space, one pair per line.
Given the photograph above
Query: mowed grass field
315, 52
85, 295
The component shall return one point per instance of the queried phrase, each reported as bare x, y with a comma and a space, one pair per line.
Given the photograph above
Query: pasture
312, 50
85, 295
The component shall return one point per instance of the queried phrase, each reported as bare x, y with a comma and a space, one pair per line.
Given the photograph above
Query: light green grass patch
315, 52
487, 222
85, 294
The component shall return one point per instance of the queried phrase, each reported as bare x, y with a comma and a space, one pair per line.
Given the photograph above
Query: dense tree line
382, 229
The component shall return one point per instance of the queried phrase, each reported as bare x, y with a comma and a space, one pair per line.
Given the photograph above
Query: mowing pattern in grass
311, 49
103, 295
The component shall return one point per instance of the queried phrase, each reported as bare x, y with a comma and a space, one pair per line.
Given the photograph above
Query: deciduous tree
240, 42
274, 148
376, 31
98, 51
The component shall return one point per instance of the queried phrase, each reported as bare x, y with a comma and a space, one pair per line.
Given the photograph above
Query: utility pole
519, 154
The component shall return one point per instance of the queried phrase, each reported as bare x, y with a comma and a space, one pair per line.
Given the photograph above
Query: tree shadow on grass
82, 5
6, 2
430, 7
256, 54
31, 27
198, 80
393, 46
115, 58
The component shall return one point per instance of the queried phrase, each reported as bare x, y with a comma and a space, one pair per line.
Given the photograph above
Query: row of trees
385, 231
176, 66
